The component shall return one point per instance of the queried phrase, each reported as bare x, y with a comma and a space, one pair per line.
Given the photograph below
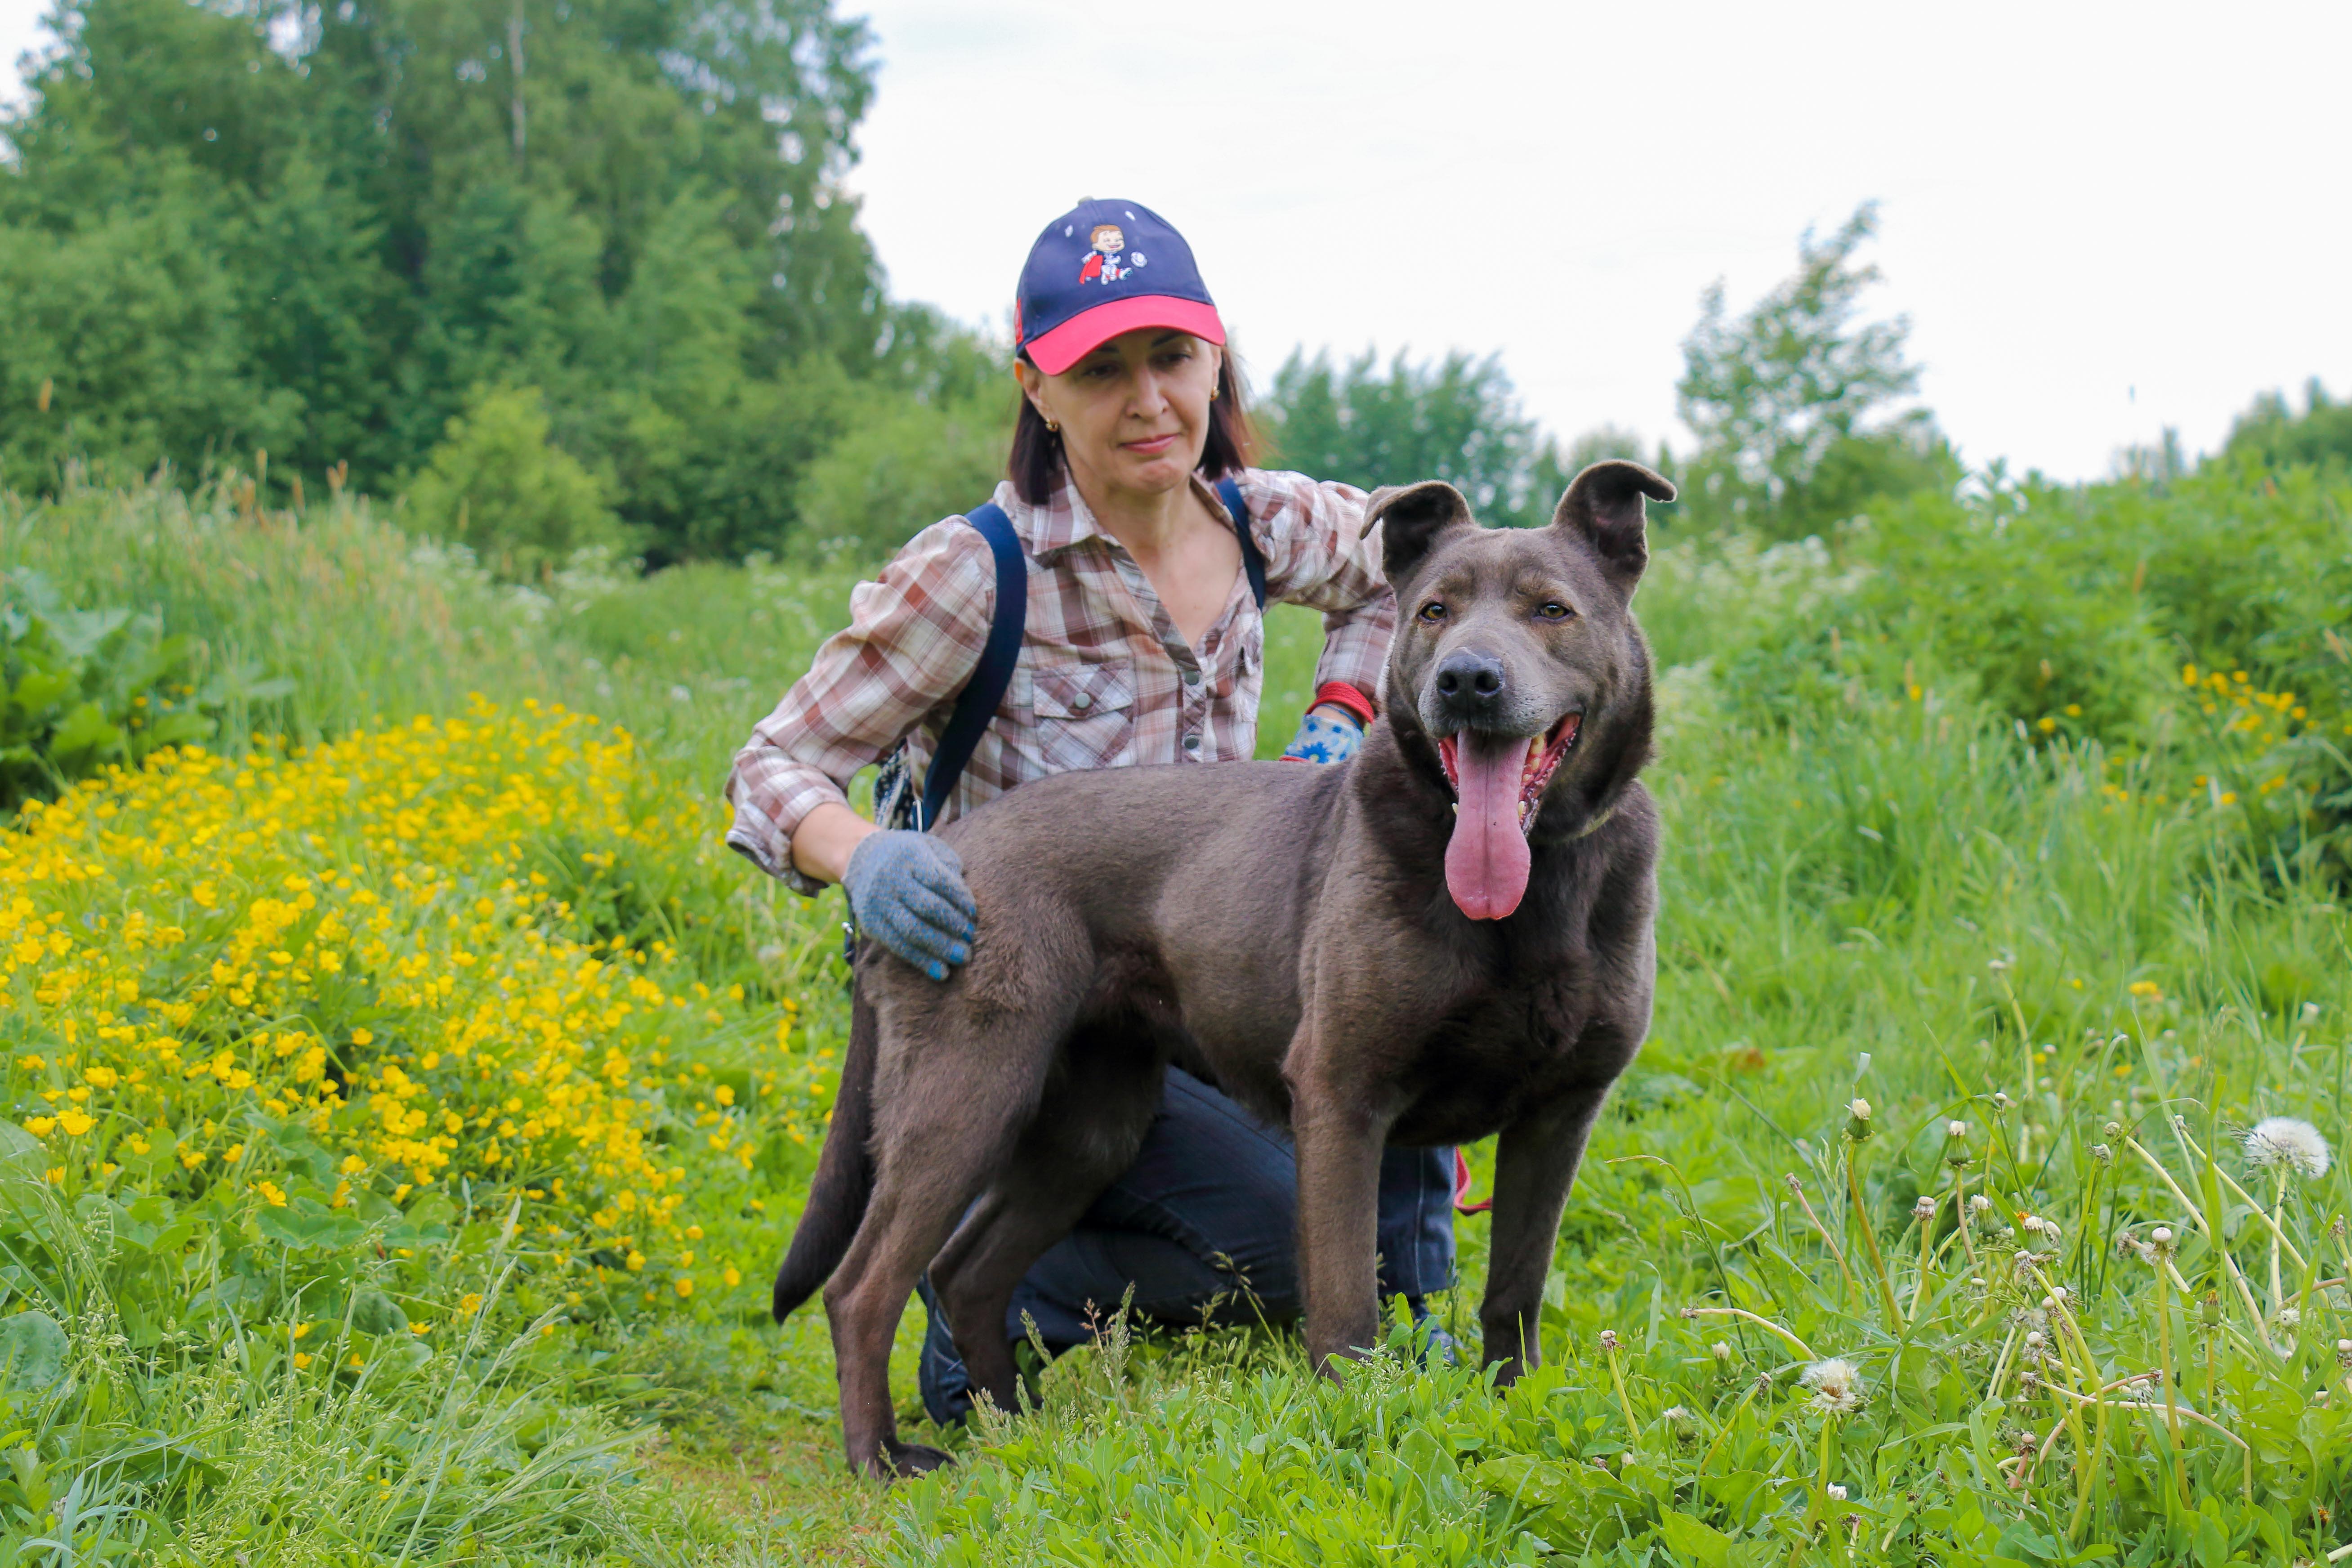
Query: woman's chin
1154, 476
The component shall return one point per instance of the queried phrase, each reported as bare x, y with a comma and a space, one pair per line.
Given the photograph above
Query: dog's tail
844, 1175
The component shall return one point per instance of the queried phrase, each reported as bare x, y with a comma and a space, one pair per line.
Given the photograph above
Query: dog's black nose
1470, 686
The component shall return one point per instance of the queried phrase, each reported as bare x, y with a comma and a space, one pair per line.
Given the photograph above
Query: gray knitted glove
907, 890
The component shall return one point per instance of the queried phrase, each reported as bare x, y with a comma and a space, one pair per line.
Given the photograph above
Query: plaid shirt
1105, 679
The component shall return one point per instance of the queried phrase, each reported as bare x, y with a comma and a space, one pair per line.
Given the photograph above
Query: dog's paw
910, 1460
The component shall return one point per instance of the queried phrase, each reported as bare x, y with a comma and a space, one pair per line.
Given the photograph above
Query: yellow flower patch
361, 946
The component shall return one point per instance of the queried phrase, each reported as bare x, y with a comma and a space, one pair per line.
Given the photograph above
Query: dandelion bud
1976, 1282
2032, 1224
2161, 1238
2113, 1129
1980, 1203
2344, 1354
2211, 1306
1956, 1130
2103, 1155
2034, 1341
2290, 1318
1609, 1340
1857, 1121
1723, 1352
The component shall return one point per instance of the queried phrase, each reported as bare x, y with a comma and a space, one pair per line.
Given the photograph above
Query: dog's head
1519, 665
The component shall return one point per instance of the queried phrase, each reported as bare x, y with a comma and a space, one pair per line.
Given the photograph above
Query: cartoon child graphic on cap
1103, 262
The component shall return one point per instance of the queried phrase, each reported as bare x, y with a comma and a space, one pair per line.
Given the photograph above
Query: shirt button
1191, 677
1082, 700
1191, 742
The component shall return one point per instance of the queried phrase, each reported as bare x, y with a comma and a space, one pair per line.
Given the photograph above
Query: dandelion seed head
1924, 1209
1836, 1385
1837, 1492
2283, 1142
1980, 1203
1956, 1129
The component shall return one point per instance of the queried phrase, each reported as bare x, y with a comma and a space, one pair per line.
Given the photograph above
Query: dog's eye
1553, 610
1432, 611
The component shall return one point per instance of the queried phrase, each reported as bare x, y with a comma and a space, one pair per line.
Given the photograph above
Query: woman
1143, 642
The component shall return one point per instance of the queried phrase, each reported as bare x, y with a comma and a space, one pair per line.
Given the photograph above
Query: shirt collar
1065, 520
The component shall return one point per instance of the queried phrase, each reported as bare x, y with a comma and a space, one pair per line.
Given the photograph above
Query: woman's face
1135, 412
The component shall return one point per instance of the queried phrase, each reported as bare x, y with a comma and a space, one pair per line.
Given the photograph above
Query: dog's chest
1480, 1065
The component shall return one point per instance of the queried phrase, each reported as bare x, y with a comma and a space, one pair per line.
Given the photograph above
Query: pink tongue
1487, 859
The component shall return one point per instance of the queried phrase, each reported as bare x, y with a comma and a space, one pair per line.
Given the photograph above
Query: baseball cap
1102, 269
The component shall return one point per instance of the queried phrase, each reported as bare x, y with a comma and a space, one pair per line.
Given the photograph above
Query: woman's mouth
1152, 447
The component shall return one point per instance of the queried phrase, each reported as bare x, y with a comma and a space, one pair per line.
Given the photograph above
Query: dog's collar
1595, 823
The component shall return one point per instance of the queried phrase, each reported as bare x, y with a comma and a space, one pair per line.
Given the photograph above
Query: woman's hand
907, 890
1328, 734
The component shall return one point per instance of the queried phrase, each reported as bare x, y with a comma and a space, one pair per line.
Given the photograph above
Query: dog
1446, 937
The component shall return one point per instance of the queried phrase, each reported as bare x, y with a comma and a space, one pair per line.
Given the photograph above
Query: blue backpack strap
976, 703
1229, 491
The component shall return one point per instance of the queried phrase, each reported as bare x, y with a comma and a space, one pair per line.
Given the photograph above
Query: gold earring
1056, 429
1213, 393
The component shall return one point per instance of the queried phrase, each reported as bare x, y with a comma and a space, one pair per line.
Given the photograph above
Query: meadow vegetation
408, 1096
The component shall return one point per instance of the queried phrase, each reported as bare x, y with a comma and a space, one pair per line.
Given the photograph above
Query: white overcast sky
2102, 219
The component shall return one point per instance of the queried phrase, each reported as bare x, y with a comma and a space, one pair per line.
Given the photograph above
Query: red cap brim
1066, 345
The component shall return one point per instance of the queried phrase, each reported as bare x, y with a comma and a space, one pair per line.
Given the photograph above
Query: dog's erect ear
1604, 504
1411, 519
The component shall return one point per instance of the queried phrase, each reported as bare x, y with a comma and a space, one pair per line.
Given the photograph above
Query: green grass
1876, 884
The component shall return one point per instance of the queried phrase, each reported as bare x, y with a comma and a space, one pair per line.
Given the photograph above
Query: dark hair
1035, 465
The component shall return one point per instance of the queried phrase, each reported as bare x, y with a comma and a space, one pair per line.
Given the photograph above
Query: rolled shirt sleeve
914, 638
1316, 557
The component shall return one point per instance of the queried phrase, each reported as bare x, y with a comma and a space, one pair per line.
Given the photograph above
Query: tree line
584, 273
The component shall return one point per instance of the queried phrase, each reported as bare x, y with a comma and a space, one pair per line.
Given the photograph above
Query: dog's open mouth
1498, 783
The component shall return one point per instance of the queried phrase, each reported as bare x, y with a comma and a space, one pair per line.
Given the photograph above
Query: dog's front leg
1338, 1140
1535, 1165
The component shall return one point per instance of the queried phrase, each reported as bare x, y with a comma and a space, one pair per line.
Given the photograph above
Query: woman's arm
822, 843
913, 639
1316, 555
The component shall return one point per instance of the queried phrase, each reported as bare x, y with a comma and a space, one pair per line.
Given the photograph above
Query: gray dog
1446, 938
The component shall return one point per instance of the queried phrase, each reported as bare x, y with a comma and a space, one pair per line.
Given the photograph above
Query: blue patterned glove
1322, 738
907, 890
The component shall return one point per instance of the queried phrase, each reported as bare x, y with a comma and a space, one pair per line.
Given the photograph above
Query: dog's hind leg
1087, 1131
938, 1141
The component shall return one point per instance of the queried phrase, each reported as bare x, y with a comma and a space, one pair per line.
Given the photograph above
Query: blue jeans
1200, 1226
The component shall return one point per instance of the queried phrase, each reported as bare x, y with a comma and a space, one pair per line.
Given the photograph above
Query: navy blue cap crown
1102, 269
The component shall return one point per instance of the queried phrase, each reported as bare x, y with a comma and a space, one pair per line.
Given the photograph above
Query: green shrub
901, 468
83, 688
498, 486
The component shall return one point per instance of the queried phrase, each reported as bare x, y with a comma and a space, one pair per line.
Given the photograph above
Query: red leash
1462, 1204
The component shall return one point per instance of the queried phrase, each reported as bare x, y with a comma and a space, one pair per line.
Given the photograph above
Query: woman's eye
1555, 611
1432, 611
